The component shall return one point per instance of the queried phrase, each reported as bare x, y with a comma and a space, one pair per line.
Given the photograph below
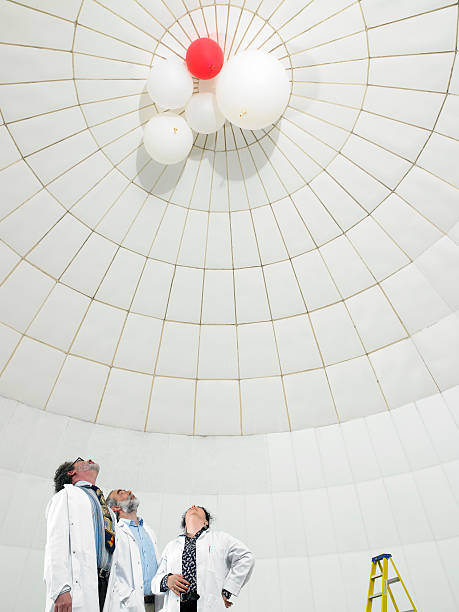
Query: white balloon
203, 114
170, 84
253, 89
168, 138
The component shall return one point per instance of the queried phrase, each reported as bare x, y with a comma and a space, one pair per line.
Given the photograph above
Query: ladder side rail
403, 585
371, 588
385, 571
393, 599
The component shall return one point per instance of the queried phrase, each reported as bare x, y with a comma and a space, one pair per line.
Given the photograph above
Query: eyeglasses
78, 459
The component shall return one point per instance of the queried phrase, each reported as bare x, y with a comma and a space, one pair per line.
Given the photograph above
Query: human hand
228, 603
63, 603
177, 583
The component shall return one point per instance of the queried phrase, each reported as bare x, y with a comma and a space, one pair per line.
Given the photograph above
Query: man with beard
137, 553
80, 543
202, 569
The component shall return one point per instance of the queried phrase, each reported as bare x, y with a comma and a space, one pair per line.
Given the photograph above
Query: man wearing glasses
80, 543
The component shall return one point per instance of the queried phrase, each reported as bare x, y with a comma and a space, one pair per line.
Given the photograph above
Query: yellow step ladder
380, 569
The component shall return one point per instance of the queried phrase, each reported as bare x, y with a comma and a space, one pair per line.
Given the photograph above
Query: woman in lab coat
202, 569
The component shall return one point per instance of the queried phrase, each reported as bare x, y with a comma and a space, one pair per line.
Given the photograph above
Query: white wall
314, 505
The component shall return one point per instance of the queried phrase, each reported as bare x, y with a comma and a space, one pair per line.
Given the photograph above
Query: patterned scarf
108, 523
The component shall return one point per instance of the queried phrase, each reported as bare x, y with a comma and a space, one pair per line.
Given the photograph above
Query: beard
129, 505
88, 467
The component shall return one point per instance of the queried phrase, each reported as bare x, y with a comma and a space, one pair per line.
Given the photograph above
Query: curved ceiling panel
296, 276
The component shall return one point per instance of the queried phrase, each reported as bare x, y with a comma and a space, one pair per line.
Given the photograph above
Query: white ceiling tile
431, 196
59, 318
31, 373
439, 157
256, 191
125, 400
79, 180
384, 11
8, 342
22, 100
414, 299
178, 353
185, 301
172, 406
447, 123
309, 401
22, 294
218, 252
218, 357
44, 130
284, 293
17, 184
381, 164
293, 229
355, 389
342, 207
142, 231
99, 333
79, 388
375, 319
316, 284
93, 206
263, 406
440, 265
412, 231
90, 264
121, 279
316, 217
437, 345
24, 64
21, 25
377, 249
139, 344
422, 34
297, 345
368, 191
429, 71
218, 297
117, 220
152, 294
400, 138
346, 266
402, 374
218, 417
243, 240
415, 107
8, 259
28, 223
200, 198
336, 334
251, 295
193, 246
269, 239
9, 152
257, 350
167, 240
51, 162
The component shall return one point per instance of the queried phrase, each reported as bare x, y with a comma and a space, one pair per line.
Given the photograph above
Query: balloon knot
175, 130
244, 112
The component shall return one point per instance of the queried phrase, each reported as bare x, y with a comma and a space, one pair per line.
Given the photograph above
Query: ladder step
375, 595
392, 580
376, 576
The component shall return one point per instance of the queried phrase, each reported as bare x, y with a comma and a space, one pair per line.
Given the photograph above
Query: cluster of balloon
252, 91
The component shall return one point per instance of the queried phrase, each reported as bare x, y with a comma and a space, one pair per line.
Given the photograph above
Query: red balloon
204, 58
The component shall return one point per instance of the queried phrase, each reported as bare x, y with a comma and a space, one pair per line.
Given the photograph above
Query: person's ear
71, 473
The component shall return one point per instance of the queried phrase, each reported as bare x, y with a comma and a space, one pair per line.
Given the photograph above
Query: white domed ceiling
298, 276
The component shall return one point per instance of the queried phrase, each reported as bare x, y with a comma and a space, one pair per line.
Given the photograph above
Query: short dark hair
61, 477
209, 517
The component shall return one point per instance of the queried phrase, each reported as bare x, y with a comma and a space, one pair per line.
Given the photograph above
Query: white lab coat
222, 562
70, 553
129, 568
